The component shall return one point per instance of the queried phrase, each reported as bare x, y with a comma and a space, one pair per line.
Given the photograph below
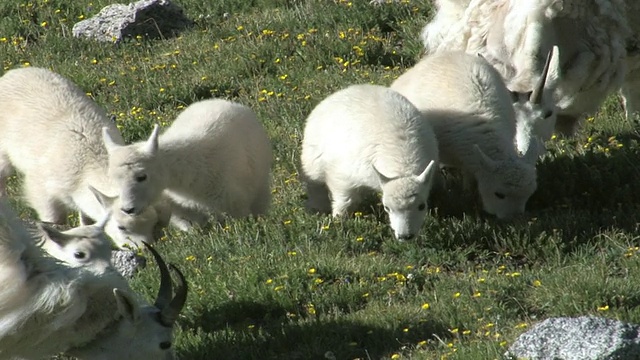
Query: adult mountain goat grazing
47, 307
535, 111
215, 158
470, 109
368, 137
597, 42
51, 132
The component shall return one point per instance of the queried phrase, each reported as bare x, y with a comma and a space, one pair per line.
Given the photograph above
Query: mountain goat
370, 137
215, 158
470, 109
47, 307
535, 111
597, 42
51, 132
81, 246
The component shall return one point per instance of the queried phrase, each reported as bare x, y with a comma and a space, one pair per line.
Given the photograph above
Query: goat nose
129, 211
405, 237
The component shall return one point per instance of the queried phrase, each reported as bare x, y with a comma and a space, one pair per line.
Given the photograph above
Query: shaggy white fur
47, 307
470, 109
215, 158
51, 132
597, 42
370, 137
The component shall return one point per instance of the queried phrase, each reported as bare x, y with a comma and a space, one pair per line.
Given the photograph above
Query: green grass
292, 285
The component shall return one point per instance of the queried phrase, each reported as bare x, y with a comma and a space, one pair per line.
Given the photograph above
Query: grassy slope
298, 286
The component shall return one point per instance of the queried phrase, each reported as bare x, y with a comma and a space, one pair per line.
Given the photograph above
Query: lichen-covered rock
582, 338
149, 18
127, 262
382, 2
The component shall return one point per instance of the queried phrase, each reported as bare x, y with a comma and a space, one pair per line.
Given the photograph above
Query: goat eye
79, 255
422, 206
499, 195
122, 228
165, 345
141, 178
548, 114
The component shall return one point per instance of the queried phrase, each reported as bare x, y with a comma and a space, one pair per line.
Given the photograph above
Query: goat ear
53, 234
486, 161
383, 179
104, 200
428, 173
109, 144
151, 146
127, 306
105, 219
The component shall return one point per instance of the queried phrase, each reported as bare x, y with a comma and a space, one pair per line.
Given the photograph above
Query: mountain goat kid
370, 137
47, 307
472, 116
51, 132
88, 246
81, 246
215, 158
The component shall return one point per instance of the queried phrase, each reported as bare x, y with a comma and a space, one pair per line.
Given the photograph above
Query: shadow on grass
250, 330
584, 194
581, 193
577, 199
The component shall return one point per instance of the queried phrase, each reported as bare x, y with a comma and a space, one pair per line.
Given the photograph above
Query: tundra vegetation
294, 285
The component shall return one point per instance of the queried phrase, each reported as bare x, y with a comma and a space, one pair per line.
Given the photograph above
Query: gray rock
382, 2
582, 338
127, 262
149, 18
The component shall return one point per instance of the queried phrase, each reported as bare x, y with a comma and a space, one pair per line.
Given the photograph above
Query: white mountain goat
597, 42
51, 132
470, 109
47, 307
215, 158
536, 111
370, 137
81, 246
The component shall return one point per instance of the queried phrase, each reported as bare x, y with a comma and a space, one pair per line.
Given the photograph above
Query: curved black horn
169, 314
164, 293
536, 95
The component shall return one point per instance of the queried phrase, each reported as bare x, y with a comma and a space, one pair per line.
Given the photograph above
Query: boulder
581, 338
127, 262
149, 18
